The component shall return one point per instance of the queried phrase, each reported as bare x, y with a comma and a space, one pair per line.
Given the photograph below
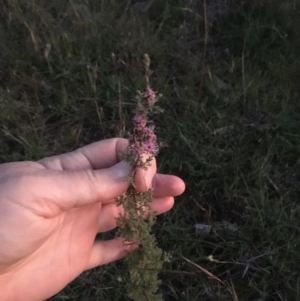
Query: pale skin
51, 211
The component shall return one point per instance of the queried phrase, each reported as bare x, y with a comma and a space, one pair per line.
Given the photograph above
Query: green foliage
145, 262
231, 120
135, 225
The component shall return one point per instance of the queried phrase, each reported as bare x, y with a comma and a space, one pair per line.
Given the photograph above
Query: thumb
69, 189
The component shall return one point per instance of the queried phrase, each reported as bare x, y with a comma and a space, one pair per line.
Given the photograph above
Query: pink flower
150, 147
148, 133
150, 95
136, 149
139, 120
143, 139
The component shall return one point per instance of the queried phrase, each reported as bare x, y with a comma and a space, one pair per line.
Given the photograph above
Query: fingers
84, 177
146, 179
98, 155
143, 178
164, 185
109, 212
104, 252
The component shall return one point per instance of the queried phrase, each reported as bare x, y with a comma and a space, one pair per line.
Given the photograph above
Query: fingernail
121, 169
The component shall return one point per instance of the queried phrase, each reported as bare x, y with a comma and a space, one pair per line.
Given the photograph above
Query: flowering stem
144, 263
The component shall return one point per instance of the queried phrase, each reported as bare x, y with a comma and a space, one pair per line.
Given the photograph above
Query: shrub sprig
136, 223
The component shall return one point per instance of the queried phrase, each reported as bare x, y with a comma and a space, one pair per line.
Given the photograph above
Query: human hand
51, 211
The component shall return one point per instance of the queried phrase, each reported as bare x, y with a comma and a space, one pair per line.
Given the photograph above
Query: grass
232, 119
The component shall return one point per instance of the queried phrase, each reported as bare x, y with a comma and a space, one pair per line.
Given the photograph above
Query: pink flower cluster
143, 139
150, 96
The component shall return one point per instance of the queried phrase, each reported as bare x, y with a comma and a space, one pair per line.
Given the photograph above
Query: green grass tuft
231, 123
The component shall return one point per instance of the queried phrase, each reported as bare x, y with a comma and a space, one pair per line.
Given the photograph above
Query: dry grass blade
212, 276
209, 274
